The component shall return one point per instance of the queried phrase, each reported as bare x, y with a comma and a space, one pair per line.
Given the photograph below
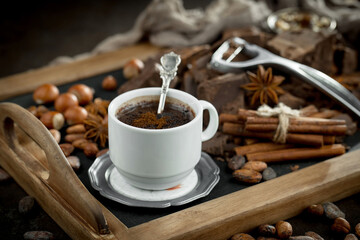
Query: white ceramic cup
157, 159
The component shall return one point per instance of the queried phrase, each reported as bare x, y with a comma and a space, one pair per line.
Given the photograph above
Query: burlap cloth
167, 23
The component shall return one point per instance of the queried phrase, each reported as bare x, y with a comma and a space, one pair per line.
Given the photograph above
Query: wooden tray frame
268, 202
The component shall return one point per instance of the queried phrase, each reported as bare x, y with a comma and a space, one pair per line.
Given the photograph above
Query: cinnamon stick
227, 117
297, 154
296, 121
308, 110
305, 128
260, 147
325, 114
294, 138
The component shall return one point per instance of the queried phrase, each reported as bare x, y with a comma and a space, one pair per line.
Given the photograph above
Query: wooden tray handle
56, 172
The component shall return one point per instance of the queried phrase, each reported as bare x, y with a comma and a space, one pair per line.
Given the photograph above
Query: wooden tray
36, 162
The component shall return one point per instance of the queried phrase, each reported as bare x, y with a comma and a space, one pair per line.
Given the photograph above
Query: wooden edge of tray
26, 82
267, 202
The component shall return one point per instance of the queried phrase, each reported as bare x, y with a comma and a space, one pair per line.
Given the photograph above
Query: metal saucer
100, 177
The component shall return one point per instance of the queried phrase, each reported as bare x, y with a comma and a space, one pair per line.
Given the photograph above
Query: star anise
98, 107
264, 85
96, 128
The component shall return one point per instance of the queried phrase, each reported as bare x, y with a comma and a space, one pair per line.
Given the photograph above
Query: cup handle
213, 125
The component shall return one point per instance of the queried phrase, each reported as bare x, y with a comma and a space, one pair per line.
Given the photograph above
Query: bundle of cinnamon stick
308, 137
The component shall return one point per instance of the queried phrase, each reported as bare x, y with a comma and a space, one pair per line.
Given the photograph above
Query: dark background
35, 32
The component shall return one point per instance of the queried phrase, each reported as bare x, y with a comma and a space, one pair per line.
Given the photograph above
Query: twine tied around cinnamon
283, 112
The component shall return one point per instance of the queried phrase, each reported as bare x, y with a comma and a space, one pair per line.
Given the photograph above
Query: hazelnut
46, 93
74, 162
284, 229
67, 148
56, 134
83, 93
53, 119
64, 101
38, 111
109, 83
91, 149
133, 68
75, 115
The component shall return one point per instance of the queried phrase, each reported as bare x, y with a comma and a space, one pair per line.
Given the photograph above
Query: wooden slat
28, 81
268, 202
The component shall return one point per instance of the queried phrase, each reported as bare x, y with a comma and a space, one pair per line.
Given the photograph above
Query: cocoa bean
300, 238
340, 225
258, 166
242, 236
357, 229
283, 229
267, 230
332, 211
268, 174
351, 237
67, 148
102, 152
91, 149
80, 143
314, 235
38, 235
4, 176
78, 128
74, 136
74, 162
236, 162
26, 204
247, 176
315, 209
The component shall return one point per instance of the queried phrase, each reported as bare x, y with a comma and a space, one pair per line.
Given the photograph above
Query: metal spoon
168, 70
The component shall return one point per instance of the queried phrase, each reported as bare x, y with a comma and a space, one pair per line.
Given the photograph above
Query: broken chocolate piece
224, 92
216, 144
307, 47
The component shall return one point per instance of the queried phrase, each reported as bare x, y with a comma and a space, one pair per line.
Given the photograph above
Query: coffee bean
4, 176
314, 235
340, 225
301, 238
236, 162
332, 211
269, 174
26, 204
351, 237
258, 166
315, 209
283, 229
267, 230
357, 229
38, 235
247, 175
242, 236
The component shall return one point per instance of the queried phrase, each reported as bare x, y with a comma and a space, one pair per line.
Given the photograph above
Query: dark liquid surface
144, 115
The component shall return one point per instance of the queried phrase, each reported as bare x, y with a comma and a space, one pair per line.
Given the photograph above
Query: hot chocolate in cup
157, 159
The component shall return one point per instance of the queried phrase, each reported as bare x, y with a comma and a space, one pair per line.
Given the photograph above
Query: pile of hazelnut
70, 112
